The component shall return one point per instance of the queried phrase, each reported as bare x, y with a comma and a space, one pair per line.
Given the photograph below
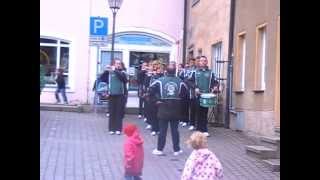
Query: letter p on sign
98, 26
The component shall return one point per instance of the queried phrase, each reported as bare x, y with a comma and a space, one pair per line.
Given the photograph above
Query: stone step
268, 140
272, 143
260, 152
60, 107
273, 164
83, 108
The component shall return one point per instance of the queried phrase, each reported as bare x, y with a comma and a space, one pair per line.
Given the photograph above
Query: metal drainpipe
230, 63
184, 32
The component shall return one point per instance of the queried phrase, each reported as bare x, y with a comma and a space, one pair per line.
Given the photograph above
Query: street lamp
114, 6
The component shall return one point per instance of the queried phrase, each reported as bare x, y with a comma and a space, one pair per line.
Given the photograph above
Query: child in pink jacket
202, 164
133, 153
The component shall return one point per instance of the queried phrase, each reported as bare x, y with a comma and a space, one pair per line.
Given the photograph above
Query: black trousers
163, 134
141, 106
185, 111
201, 117
124, 103
153, 117
147, 110
192, 108
116, 111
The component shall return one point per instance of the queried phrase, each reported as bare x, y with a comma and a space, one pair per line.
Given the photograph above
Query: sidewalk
77, 146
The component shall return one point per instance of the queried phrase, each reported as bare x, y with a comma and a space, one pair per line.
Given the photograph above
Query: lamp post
114, 6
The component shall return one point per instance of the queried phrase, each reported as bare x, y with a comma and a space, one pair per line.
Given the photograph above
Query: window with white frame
243, 59
55, 55
240, 63
260, 59
216, 58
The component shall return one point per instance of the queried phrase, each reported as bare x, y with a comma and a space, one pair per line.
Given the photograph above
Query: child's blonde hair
198, 140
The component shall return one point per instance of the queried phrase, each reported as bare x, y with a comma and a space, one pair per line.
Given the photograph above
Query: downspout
230, 65
184, 46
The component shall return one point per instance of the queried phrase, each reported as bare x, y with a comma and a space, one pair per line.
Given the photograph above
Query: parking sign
98, 26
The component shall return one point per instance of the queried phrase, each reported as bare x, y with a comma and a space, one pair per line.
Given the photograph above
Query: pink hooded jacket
202, 164
133, 155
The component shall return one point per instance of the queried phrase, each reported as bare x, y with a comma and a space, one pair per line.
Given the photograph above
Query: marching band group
166, 96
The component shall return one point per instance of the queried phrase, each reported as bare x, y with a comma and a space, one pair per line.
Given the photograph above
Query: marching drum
208, 100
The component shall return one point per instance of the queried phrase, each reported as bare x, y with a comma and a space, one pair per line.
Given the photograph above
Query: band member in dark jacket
147, 101
125, 98
141, 87
116, 80
203, 81
192, 96
153, 106
168, 91
182, 74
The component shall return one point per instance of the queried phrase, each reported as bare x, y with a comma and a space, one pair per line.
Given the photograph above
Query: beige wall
208, 24
250, 14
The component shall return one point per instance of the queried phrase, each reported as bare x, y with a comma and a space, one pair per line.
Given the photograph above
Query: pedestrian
61, 86
42, 77
202, 164
168, 90
133, 153
203, 81
116, 79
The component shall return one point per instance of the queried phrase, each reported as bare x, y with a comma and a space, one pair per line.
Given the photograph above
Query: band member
192, 96
141, 87
203, 81
158, 72
146, 95
182, 74
116, 80
168, 91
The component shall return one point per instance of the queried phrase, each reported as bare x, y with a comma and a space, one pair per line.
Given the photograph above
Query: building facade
144, 30
256, 67
208, 34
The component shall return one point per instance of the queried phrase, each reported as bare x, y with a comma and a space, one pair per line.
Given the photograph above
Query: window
217, 58
106, 58
240, 63
54, 53
194, 2
260, 59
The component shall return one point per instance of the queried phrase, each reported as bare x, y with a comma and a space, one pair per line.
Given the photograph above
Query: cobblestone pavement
77, 146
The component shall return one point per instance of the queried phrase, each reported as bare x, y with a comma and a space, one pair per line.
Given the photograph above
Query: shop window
54, 54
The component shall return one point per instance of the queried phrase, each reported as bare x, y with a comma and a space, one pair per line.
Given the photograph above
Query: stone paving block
79, 147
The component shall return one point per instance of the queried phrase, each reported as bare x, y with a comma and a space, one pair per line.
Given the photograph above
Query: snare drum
208, 100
